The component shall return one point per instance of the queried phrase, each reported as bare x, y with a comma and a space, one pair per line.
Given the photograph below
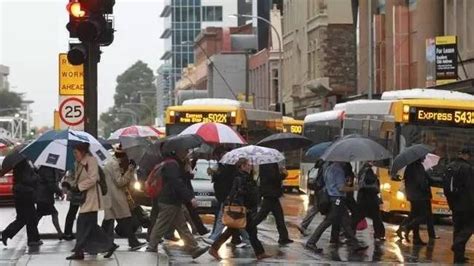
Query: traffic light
77, 54
89, 21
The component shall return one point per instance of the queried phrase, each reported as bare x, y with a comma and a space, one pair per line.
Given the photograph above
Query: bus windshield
447, 141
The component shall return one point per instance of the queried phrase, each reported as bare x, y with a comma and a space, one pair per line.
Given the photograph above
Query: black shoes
198, 252
313, 247
137, 246
419, 242
285, 241
111, 251
150, 249
4, 239
68, 237
76, 256
35, 243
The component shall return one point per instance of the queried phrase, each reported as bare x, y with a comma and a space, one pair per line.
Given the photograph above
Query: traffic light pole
90, 88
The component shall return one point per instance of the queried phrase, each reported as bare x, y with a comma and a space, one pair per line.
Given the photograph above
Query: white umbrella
431, 160
256, 154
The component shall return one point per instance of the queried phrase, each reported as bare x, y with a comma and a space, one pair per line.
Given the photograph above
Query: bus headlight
400, 195
386, 187
137, 186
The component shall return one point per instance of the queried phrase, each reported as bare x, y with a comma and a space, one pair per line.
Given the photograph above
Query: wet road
391, 251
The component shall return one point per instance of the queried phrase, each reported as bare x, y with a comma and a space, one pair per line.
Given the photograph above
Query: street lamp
280, 73
144, 105
134, 115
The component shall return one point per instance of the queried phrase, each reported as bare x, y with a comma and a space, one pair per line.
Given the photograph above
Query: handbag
76, 197
362, 225
235, 216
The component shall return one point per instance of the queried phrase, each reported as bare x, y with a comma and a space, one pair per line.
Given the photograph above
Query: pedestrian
336, 188
243, 192
418, 193
90, 237
368, 201
24, 196
459, 191
170, 200
47, 189
222, 179
69, 181
315, 183
271, 189
119, 171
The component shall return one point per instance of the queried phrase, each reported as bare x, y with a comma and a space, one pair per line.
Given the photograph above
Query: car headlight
386, 187
400, 195
137, 186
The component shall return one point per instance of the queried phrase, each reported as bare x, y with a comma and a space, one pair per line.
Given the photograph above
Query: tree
132, 86
9, 101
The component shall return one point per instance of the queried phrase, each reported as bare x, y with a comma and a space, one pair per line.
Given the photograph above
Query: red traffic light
75, 9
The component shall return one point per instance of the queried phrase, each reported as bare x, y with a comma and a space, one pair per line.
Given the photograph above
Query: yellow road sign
71, 78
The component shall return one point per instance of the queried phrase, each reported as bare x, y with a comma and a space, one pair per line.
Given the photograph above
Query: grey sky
32, 33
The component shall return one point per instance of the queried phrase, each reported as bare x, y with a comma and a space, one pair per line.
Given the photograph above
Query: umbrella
3, 146
430, 161
181, 142
150, 158
105, 143
410, 155
256, 154
285, 141
353, 149
136, 131
317, 150
54, 149
135, 148
215, 133
13, 158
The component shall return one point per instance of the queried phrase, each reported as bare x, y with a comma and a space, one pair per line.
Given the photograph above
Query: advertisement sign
446, 59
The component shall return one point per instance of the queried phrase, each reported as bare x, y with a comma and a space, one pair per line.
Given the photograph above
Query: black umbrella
150, 158
410, 155
355, 149
285, 142
13, 158
181, 142
135, 147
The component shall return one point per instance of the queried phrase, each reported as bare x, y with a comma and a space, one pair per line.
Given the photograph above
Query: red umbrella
215, 133
136, 131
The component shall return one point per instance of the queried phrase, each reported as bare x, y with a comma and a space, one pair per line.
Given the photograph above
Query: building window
212, 13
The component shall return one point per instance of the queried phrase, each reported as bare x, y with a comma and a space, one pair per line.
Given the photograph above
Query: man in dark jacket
460, 198
170, 200
25, 184
271, 189
418, 192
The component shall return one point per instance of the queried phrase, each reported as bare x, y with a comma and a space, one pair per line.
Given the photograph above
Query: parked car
6, 186
203, 188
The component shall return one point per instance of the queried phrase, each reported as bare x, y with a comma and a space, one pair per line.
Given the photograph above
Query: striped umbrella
54, 149
136, 131
215, 133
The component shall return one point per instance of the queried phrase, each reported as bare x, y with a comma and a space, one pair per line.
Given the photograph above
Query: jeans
338, 216
219, 228
252, 232
273, 205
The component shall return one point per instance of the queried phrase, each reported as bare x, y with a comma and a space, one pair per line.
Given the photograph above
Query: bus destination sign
442, 117
192, 118
295, 129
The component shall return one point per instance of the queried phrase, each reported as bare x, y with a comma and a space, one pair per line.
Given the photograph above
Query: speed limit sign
71, 112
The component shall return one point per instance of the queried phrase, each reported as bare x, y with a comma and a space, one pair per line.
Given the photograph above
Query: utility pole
90, 88
369, 45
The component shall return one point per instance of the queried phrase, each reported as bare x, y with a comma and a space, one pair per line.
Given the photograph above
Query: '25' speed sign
71, 110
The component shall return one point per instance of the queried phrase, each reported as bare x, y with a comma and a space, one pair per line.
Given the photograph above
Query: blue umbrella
317, 150
54, 149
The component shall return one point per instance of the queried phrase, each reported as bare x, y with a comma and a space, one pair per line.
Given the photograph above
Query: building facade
184, 20
164, 93
4, 72
319, 44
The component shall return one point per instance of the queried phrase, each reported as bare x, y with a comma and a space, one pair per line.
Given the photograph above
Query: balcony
166, 55
166, 9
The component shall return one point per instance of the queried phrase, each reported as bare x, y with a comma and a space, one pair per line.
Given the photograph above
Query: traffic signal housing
77, 54
90, 21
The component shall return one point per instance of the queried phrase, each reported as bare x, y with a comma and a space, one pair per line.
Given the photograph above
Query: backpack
154, 182
101, 181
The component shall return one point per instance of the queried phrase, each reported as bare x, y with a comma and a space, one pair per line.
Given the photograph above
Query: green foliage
132, 86
9, 99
